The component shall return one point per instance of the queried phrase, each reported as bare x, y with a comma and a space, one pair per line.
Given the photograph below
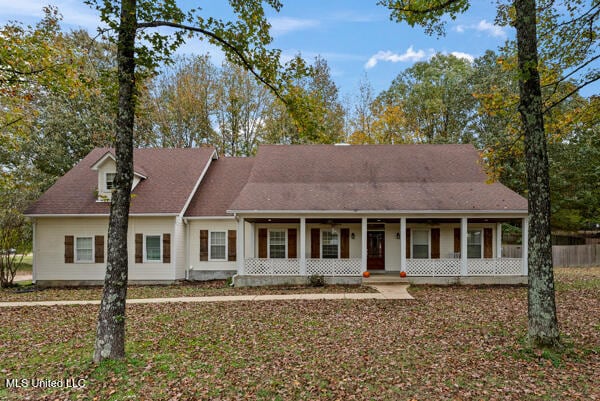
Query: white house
289, 212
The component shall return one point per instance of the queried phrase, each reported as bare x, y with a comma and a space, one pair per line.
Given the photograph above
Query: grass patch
194, 289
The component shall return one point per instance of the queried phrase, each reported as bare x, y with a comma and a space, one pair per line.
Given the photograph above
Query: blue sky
356, 37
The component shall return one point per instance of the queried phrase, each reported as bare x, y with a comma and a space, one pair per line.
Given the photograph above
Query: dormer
106, 167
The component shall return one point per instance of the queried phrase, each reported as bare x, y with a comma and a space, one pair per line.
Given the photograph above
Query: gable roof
220, 186
171, 177
110, 155
370, 178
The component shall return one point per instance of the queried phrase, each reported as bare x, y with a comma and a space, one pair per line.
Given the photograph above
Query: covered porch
338, 246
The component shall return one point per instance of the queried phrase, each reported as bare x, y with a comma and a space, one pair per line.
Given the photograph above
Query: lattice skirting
475, 267
495, 267
333, 267
433, 267
291, 267
274, 267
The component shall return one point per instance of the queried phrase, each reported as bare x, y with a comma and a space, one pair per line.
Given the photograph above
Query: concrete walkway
385, 292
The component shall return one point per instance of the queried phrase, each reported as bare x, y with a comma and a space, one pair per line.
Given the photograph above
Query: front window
474, 244
110, 181
420, 247
84, 249
153, 248
330, 247
277, 244
218, 245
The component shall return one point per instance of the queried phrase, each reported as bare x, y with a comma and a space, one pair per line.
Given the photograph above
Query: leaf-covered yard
450, 343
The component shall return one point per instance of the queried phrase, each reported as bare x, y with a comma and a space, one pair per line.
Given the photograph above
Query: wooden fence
563, 255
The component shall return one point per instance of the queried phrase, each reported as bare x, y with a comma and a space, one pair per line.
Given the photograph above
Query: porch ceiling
515, 222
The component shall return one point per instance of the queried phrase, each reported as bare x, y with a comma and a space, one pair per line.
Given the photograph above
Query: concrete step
385, 279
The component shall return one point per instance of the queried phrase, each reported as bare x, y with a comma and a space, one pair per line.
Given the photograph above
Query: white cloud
494, 30
283, 25
484, 27
409, 55
469, 57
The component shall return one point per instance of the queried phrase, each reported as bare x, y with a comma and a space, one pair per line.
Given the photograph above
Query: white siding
194, 241
178, 247
148, 270
49, 248
392, 246
354, 243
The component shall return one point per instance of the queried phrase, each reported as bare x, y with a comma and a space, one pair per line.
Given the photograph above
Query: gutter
187, 249
33, 252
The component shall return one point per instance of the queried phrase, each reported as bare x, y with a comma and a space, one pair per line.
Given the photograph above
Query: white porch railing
475, 267
333, 267
272, 267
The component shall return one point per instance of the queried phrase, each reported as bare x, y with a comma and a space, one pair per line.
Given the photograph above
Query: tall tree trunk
110, 334
543, 325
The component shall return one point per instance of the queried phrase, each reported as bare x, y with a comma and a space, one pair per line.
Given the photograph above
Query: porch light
397, 235
352, 236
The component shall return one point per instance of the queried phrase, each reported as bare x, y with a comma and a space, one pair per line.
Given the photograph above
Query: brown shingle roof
220, 186
372, 177
171, 177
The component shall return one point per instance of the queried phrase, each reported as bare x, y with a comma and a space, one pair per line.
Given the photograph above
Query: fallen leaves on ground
451, 343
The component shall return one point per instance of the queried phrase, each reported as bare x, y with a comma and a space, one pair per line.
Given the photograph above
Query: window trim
285, 231
322, 243
210, 258
76, 253
480, 230
106, 189
412, 238
160, 259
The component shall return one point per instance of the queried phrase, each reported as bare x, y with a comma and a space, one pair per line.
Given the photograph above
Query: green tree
240, 108
181, 103
543, 325
15, 231
312, 111
243, 40
575, 176
436, 99
362, 118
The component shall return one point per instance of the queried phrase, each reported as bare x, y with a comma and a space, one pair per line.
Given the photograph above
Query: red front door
375, 250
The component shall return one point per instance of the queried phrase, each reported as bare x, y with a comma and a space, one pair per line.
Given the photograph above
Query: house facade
290, 212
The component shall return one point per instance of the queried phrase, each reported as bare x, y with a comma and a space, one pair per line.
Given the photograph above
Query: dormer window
110, 181
106, 167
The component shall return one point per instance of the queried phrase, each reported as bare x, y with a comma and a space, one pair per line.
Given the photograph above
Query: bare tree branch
11, 123
235, 50
567, 95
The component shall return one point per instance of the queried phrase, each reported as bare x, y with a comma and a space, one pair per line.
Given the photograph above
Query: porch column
303, 246
251, 251
240, 246
463, 246
363, 240
403, 244
498, 240
525, 245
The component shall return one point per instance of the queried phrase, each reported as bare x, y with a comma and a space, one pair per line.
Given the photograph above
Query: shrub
316, 280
